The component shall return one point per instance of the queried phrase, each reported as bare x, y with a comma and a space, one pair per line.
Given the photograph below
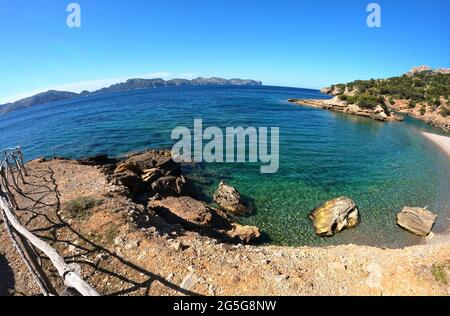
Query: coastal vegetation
366, 101
81, 208
445, 111
423, 93
425, 86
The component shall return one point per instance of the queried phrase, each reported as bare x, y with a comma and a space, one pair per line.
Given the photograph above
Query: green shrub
423, 110
438, 271
419, 87
445, 111
340, 88
367, 101
412, 104
437, 102
352, 99
81, 208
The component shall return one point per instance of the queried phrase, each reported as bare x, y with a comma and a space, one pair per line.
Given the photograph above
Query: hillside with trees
423, 93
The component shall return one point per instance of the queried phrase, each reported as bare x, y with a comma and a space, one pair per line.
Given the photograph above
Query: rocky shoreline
334, 104
429, 117
422, 93
442, 141
156, 182
126, 221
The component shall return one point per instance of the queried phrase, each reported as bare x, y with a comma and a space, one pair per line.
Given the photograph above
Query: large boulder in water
334, 216
416, 220
230, 199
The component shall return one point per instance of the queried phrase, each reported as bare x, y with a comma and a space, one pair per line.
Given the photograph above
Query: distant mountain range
131, 84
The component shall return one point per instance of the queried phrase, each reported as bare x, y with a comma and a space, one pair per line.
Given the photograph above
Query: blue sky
289, 43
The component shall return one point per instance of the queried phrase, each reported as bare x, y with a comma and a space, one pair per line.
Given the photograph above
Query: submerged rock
334, 216
416, 220
230, 199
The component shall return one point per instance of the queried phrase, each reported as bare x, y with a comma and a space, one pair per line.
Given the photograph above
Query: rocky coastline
155, 181
429, 116
335, 104
134, 219
422, 93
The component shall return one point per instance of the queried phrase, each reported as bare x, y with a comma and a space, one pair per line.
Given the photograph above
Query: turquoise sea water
323, 155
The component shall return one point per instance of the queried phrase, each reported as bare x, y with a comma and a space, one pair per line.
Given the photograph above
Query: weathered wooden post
19, 169
5, 184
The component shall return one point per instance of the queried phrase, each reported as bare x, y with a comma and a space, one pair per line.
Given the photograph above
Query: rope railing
12, 170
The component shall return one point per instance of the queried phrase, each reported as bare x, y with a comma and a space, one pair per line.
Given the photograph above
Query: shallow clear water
323, 155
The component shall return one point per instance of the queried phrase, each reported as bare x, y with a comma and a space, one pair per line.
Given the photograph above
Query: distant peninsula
129, 85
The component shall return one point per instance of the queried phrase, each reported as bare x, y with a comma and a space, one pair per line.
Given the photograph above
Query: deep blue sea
323, 155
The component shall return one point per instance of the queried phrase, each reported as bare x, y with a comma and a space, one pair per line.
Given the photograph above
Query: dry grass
81, 208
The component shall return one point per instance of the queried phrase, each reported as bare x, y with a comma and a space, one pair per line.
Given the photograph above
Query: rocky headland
378, 113
422, 93
133, 227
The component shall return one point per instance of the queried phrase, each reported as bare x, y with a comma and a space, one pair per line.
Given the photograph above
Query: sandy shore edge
442, 141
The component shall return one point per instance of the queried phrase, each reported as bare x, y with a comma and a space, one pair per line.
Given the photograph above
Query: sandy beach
442, 141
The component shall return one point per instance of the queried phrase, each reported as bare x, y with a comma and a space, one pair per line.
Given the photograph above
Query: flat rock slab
416, 220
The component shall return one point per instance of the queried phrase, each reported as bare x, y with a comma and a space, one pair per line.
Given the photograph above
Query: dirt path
121, 249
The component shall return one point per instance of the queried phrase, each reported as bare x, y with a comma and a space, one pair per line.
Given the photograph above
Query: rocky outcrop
245, 234
230, 199
127, 166
334, 216
161, 160
421, 93
186, 211
335, 104
196, 215
170, 186
153, 172
327, 90
132, 181
416, 220
429, 114
155, 180
424, 68
419, 69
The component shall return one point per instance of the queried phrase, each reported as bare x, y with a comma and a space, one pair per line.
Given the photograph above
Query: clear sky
299, 43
